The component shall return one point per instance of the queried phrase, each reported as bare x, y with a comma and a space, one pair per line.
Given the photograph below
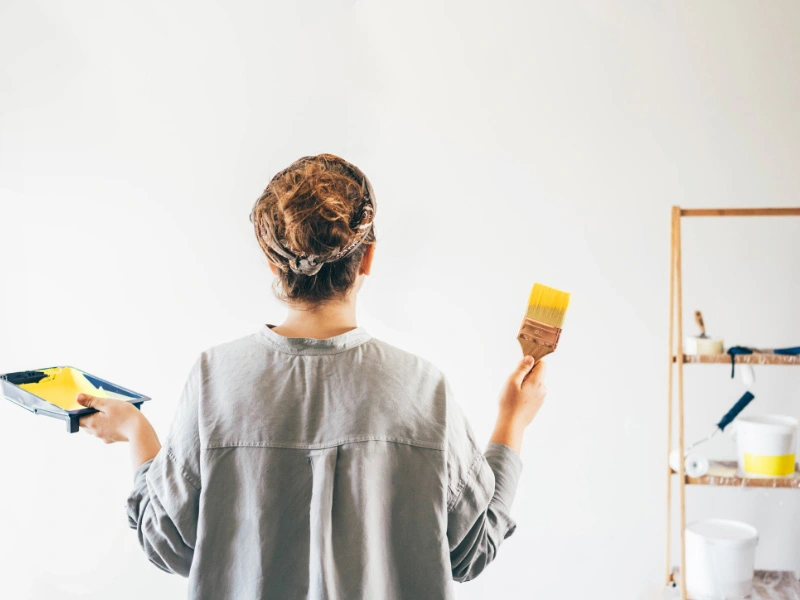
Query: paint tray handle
73, 422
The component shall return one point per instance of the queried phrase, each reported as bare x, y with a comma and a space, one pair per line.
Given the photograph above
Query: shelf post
668, 576
676, 215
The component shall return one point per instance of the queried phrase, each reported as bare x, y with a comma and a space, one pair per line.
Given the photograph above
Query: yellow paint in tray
62, 385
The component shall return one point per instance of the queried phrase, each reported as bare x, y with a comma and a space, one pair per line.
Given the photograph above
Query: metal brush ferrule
535, 333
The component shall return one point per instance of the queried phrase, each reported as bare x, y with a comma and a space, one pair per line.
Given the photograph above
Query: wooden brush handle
698, 317
533, 349
537, 339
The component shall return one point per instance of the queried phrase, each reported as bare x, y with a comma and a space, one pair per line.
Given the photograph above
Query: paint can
766, 445
703, 346
720, 559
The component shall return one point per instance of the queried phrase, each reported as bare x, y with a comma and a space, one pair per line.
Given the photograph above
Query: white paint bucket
720, 559
703, 346
766, 445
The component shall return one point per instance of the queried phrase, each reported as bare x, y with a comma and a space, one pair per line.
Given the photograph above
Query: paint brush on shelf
703, 343
698, 318
541, 328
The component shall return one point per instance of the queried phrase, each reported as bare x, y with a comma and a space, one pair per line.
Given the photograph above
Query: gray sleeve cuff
140, 472
139, 495
507, 468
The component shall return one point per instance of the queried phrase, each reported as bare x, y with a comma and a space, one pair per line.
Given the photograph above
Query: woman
309, 459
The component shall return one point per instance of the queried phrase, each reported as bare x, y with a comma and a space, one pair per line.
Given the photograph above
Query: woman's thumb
523, 368
89, 401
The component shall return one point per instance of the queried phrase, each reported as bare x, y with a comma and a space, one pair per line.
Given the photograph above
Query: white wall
507, 142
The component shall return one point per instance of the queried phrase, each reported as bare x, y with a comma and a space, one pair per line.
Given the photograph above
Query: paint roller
695, 465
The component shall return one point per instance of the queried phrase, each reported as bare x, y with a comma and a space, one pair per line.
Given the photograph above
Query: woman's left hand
115, 421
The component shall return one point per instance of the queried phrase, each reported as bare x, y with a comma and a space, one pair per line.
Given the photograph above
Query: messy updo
314, 222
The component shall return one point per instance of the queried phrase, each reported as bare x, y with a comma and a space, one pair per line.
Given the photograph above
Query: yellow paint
62, 385
777, 466
547, 305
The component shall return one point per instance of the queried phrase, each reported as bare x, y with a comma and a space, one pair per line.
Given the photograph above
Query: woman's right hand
521, 399
120, 421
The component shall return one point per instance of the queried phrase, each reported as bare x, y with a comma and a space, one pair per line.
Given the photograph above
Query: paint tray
52, 392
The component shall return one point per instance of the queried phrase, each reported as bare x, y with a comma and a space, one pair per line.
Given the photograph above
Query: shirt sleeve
163, 506
481, 489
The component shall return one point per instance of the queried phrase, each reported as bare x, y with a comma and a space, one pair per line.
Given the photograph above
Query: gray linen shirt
335, 469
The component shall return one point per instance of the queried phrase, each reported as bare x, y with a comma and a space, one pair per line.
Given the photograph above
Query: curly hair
314, 222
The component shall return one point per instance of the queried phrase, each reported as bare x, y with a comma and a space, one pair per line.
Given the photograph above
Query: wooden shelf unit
768, 584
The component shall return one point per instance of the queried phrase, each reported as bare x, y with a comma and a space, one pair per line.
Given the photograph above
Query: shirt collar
311, 346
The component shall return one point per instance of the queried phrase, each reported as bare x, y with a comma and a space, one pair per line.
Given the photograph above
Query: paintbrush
541, 328
698, 318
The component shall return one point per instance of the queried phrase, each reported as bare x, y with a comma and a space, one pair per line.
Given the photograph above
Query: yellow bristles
547, 305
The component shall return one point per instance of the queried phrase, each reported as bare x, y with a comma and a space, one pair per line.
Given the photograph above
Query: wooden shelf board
722, 472
740, 359
767, 585
740, 212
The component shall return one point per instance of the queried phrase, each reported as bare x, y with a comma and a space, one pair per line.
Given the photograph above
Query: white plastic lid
724, 531
782, 423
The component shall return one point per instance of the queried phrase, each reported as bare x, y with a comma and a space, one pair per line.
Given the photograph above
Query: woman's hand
115, 421
120, 421
521, 399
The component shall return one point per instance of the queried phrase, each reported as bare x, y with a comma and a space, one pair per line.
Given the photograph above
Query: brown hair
312, 208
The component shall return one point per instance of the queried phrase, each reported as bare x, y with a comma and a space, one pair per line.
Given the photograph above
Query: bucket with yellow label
766, 445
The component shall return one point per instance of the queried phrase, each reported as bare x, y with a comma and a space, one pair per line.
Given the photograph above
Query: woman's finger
523, 368
91, 401
538, 371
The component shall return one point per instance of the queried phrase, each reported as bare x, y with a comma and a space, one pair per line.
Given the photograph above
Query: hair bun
315, 212
317, 207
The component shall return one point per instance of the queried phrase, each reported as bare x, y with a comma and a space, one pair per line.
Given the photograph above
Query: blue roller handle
734, 412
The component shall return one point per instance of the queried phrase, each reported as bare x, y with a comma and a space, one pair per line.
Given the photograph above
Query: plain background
508, 142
